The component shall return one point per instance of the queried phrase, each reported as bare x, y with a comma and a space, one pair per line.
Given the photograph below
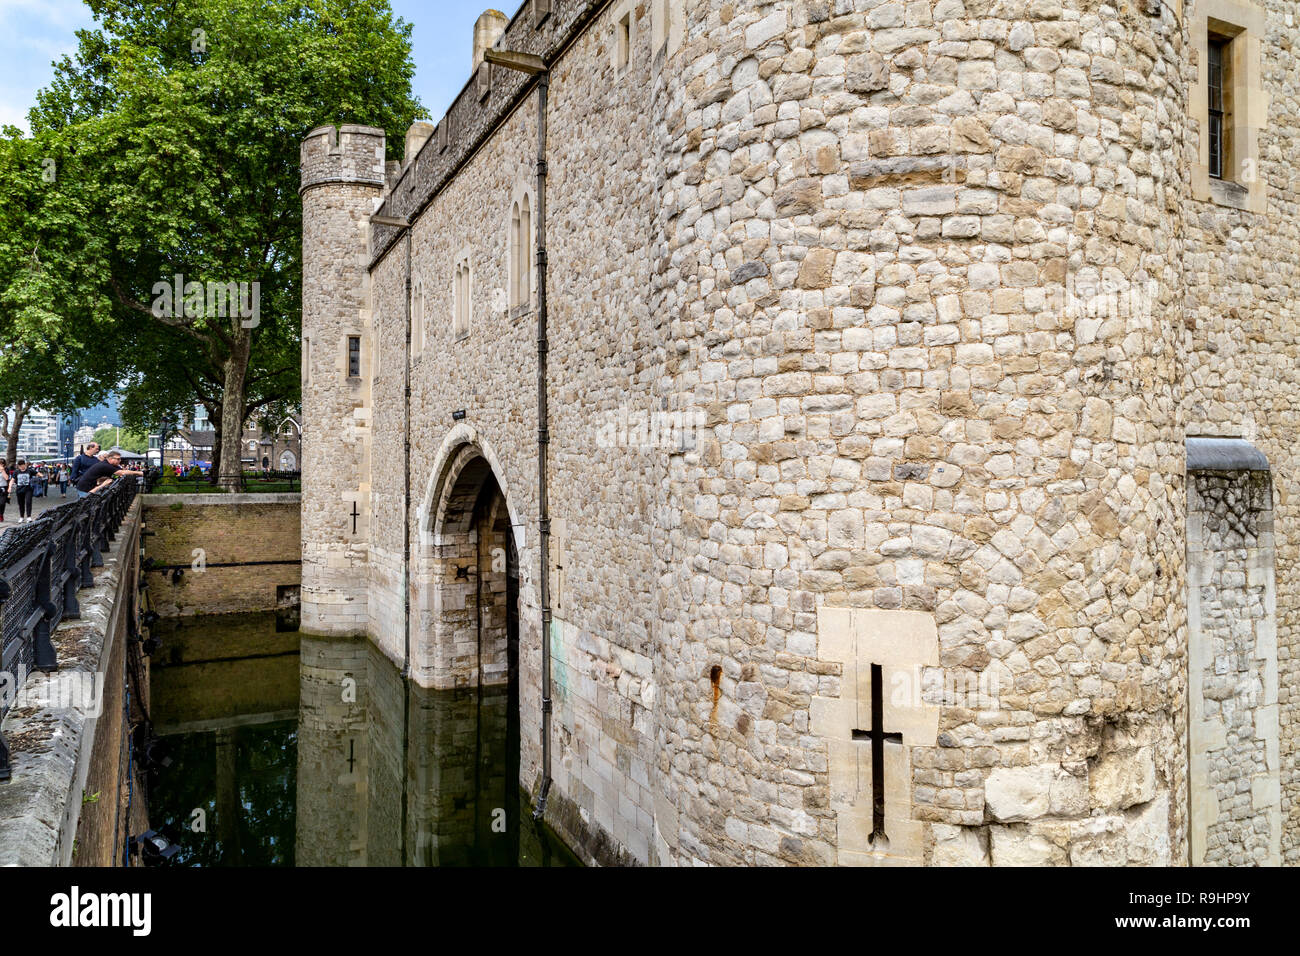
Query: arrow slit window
461, 299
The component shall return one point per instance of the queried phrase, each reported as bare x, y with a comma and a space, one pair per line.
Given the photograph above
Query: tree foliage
191, 114
56, 325
127, 439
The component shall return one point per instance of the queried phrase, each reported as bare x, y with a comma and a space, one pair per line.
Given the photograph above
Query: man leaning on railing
101, 474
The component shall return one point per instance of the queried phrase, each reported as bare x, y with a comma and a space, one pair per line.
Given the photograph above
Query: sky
34, 33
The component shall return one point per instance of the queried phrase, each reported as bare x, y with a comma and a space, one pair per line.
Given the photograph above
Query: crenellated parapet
346, 154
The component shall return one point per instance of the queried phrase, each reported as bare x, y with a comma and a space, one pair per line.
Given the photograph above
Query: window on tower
354, 356
1220, 91
462, 290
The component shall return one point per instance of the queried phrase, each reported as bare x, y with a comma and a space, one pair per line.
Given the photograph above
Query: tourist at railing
83, 461
101, 474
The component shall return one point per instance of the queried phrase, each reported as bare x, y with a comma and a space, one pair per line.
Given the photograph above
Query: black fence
247, 481
292, 478
42, 566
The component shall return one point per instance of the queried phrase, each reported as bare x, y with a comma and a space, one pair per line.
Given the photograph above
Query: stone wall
343, 173
875, 220
1236, 817
938, 291
605, 353
1241, 318
237, 553
69, 800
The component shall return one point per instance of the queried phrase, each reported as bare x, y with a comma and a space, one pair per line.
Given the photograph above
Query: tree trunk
235, 373
214, 471
11, 434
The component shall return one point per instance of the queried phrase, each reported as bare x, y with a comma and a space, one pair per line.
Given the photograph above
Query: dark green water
286, 750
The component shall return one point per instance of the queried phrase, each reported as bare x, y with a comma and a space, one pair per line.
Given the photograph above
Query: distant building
281, 450
39, 435
187, 446
69, 427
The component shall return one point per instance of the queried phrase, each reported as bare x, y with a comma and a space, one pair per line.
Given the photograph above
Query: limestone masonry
923, 416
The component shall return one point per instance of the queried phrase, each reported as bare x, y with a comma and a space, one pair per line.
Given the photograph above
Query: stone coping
216, 498
1224, 454
51, 749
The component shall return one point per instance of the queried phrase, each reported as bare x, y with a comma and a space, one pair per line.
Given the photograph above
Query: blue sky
33, 33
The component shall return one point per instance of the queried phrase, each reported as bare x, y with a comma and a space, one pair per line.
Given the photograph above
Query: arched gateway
468, 632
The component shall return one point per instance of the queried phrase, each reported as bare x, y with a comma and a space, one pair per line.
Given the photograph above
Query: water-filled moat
279, 749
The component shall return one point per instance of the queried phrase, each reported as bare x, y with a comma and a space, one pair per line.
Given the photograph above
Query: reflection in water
372, 771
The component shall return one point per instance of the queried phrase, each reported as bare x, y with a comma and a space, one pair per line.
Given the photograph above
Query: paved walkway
39, 506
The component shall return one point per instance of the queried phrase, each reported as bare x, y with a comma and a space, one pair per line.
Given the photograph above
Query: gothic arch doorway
473, 628
475, 578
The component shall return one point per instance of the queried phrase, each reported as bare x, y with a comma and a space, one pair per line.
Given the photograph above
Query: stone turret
487, 30
342, 182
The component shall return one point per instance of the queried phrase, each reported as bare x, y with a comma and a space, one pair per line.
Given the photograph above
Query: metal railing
42, 566
245, 481
291, 478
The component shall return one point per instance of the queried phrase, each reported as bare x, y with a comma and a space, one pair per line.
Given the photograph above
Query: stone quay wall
236, 553
68, 803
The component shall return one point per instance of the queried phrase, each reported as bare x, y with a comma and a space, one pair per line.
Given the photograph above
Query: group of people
91, 471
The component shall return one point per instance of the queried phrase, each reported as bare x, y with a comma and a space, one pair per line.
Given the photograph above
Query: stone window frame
517, 304
417, 319
1243, 23
667, 25
462, 296
622, 45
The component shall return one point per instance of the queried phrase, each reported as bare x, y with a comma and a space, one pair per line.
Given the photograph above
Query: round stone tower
921, 269
342, 182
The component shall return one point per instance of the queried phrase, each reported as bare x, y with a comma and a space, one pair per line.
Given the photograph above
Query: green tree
193, 111
56, 328
126, 439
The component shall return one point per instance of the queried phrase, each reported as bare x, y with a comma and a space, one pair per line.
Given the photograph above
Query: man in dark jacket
101, 474
83, 461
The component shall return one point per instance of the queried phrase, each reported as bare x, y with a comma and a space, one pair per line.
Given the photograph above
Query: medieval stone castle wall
876, 331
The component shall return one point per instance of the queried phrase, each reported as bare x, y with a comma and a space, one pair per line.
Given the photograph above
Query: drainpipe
543, 441
406, 484
535, 66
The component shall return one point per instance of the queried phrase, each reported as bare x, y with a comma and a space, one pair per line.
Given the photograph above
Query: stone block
1019, 846
959, 846
1122, 779
1014, 794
